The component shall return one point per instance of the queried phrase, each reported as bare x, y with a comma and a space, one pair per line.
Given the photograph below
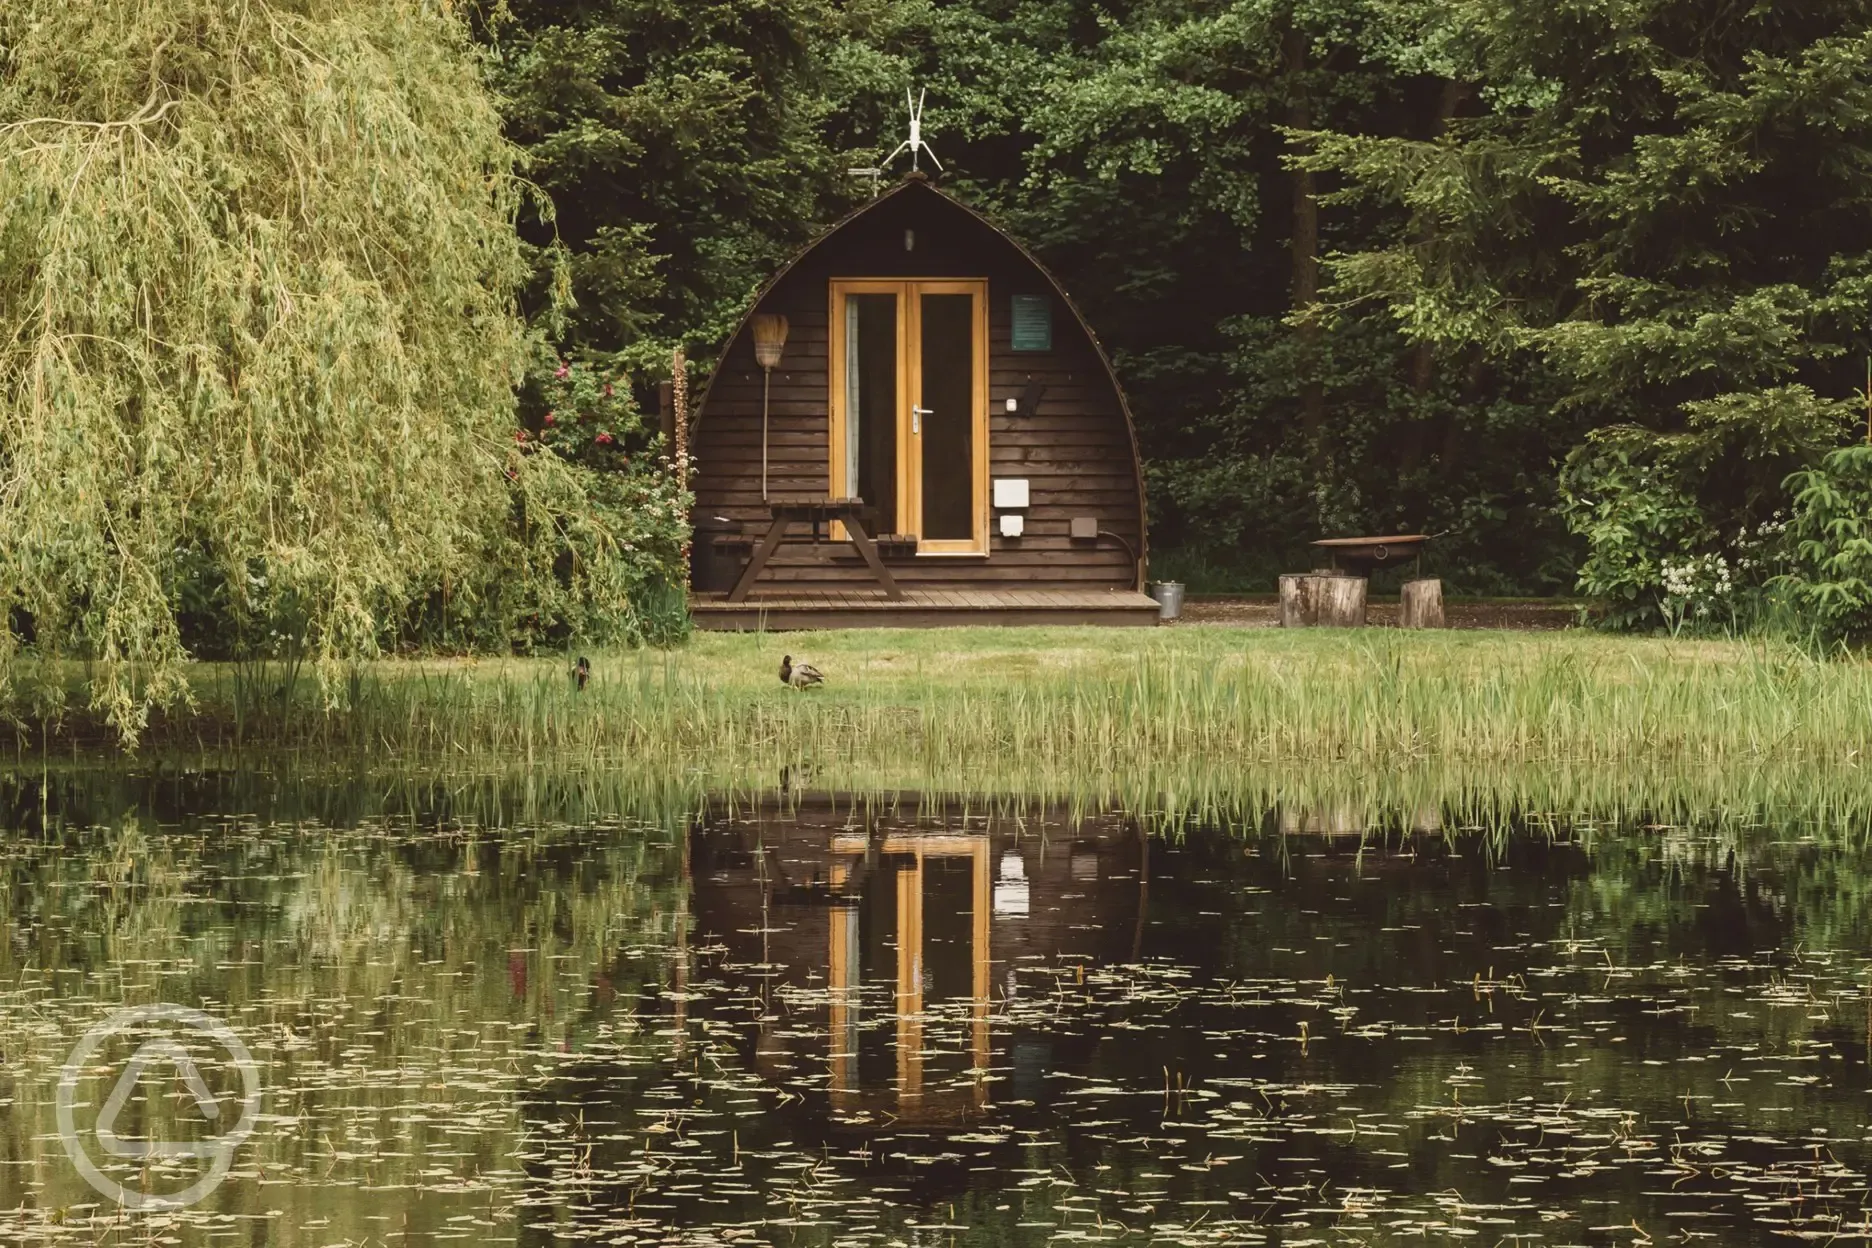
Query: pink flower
607, 391
519, 435
604, 439
562, 371
551, 419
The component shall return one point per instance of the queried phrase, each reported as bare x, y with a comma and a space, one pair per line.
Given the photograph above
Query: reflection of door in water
909, 407
917, 919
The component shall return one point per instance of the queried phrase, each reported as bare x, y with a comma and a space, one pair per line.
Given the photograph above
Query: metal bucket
1169, 596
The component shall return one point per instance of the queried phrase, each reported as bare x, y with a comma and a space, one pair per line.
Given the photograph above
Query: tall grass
1066, 710
963, 701
1829, 805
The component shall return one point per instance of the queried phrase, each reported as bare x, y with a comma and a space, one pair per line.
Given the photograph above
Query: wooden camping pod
1069, 438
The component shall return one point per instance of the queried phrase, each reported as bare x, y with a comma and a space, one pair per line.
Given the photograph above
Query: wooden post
679, 414
1421, 605
679, 411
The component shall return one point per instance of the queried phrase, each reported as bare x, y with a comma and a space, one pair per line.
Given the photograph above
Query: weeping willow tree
257, 269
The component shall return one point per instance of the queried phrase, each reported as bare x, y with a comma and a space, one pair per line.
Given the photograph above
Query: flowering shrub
1634, 518
1689, 529
595, 551
1696, 589
619, 569
1724, 588
589, 417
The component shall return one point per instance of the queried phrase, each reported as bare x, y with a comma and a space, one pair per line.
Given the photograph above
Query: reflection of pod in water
1356, 819
1010, 891
1340, 819
909, 920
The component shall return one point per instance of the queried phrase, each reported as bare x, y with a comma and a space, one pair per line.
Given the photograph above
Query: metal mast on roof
914, 144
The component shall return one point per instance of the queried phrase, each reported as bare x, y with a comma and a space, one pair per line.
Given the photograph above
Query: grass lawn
861, 661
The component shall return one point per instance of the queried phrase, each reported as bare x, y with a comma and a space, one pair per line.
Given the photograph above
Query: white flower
1695, 582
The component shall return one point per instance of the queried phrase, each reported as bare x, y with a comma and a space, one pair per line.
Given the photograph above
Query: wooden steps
788, 611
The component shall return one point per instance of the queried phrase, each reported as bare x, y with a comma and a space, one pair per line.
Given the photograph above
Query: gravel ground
1263, 611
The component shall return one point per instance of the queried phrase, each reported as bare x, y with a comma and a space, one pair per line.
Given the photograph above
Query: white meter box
1010, 493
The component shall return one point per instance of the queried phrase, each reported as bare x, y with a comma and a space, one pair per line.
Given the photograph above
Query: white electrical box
1013, 405
1010, 493
1013, 524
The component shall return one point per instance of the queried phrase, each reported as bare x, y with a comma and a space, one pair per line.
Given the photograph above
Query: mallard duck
581, 672
799, 675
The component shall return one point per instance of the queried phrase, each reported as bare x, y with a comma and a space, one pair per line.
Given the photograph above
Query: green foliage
679, 143
1678, 526
1830, 584
689, 150
257, 334
1665, 208
592, 552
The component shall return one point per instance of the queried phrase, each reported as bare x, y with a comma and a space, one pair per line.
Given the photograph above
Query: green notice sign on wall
1033, 323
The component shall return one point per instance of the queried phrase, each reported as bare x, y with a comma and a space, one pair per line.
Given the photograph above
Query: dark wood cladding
1077, 451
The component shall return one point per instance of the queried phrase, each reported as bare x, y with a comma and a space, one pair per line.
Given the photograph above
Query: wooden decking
920, 608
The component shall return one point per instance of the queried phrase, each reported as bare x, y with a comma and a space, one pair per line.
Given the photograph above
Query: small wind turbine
914, 144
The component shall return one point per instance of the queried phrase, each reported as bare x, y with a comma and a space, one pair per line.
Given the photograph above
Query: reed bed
1064, 701
1189, 716
1377, 805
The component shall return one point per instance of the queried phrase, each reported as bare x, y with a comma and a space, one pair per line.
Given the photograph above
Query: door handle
916, 417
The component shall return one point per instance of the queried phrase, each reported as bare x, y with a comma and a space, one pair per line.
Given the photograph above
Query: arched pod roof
919, 184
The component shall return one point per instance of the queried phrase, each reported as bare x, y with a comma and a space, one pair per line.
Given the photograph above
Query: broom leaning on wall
769, 341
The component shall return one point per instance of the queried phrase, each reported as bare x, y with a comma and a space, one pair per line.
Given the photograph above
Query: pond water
828, 1023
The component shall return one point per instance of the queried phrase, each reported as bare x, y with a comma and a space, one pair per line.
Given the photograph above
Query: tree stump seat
1322, 600
1420, 604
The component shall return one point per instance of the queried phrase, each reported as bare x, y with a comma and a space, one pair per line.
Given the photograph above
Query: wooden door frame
909, 290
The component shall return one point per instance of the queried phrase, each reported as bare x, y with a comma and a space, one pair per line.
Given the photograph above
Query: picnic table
1336, 597
854, 513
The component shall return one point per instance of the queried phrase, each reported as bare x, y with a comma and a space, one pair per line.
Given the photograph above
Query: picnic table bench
854, 513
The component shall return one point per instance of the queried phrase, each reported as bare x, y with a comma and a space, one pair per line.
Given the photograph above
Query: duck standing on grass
799, 675
581, 672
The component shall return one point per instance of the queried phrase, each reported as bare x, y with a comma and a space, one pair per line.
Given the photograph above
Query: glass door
949, 422
869, 392
909, 407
